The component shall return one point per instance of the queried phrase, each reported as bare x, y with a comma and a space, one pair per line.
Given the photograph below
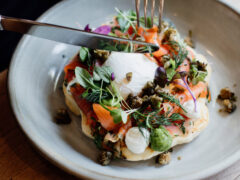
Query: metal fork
160, 11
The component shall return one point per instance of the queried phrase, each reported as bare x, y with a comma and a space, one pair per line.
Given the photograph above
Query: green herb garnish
102, 73
197, 72
179, 53
126, 19
171, 70
100, 89
85, 56
172, 99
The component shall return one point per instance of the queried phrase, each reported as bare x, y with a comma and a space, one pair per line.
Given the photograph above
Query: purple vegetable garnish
180, 84
105, 29
112, 76
160, 77
183, 75
87, 28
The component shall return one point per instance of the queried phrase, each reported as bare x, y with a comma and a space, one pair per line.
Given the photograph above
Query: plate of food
124, 115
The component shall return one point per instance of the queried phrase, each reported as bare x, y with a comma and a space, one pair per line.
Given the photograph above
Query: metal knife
71, 35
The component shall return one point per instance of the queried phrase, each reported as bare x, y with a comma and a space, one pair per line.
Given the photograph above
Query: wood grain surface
19, 159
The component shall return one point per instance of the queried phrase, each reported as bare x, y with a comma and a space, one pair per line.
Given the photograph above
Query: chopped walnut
134, 101
169, 35
101, 54
225, 93
227, 98
149, 89
105, 157
156, 101
229, 105
164, 158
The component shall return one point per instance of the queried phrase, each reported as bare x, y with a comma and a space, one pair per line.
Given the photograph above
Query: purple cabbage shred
87, 28
105, 29
188, 88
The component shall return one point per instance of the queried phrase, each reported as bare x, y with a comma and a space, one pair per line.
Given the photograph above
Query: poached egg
142, 69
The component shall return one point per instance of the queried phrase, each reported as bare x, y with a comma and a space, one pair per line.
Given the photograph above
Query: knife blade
72, 36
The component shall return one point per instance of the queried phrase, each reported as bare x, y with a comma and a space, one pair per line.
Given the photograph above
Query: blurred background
28, 9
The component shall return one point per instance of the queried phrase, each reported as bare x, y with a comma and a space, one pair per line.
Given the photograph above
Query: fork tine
145, 11
137, 5
161, 3
152, 12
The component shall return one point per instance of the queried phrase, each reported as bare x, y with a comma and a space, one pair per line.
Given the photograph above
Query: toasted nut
105, 157
164, 158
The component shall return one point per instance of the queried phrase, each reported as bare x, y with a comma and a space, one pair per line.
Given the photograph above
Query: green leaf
116, 91
83, 53
123, 23
94, 95
181, 52
110, 102
108, 46
117, 115
84, 78
142, 22
200, 76
112, 34
195, 74
96, 77
126, 19
171, 70
102, 73
176, 116
148, 122
85, 94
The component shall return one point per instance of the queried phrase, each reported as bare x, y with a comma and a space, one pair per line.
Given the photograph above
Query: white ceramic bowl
36, 75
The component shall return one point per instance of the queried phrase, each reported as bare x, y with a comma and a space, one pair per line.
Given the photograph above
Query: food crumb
62, 117
179, 158
227, 99
129, 76
164, 158
234, 85
105, 158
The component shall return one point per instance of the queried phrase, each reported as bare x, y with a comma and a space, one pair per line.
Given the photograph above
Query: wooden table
19, 160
